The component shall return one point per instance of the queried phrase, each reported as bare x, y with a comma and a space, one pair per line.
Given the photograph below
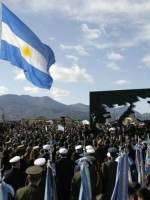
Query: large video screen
120, 106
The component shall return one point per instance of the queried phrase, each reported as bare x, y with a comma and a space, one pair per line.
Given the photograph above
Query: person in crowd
102, 197
77, 153
33, 156
34, 137
131, 192
94, 178
99, 153
143, 194
136, 186
64, 173
41, 162
32, 190
46, 154
5, 160
14, 176
148, 180
108, 172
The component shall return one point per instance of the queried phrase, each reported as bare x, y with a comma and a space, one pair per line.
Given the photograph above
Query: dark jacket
15, 177
30, 192
64, 173
108, 173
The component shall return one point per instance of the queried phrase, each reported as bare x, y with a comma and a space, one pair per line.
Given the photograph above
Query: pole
1, 168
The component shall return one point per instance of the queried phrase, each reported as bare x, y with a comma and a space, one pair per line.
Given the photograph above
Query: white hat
14, 159
108, 154
145, 142
21, 146
112, 129
36, 147
90, 151
46, 147
88, 147
40, 161
63, 151
78, 147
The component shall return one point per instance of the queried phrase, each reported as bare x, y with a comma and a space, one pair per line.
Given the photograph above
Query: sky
99, 45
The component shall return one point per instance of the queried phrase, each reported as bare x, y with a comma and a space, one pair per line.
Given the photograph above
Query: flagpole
1, 193
0, 25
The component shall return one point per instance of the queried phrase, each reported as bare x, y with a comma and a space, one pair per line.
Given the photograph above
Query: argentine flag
22, 48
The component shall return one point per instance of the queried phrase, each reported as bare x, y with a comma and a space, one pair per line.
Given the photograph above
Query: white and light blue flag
48, 188
5, 190
22, 48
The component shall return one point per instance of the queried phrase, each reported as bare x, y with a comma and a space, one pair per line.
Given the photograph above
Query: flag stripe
14, 55
23, 48
1, 192
21, 30
36, 59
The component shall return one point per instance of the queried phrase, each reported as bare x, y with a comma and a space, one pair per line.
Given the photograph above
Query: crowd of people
26, 150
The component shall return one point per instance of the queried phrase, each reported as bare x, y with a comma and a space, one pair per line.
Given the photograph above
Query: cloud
146, 60
31, 90
74, 58
19, 74
90, 33
98, 11
122, 82
115, 56
79, 49
113, 66
112, 16
140, 67
51, 38
73, 74
143, 33
3, 90
57, 93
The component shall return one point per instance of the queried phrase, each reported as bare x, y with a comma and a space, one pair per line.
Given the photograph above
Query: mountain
28, 107
80, 106
116, 112
24, 106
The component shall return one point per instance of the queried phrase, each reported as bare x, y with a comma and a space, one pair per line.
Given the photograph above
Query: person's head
102, 197
113, 152
46, 147
79, 149
34, 175
15, 162
34, 154
143, 194
148, 180
63, 152
131, 192
41, 162
136, 187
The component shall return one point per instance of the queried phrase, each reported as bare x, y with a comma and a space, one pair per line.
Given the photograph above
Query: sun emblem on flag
26, 51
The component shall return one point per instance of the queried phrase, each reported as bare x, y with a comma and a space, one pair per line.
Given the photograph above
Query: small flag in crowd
22, 48
60, 127
121, 185
147, 161
6, 189
85, 189
48, 188
140, 165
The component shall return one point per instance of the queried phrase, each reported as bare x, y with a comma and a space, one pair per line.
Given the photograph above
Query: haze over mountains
28, 107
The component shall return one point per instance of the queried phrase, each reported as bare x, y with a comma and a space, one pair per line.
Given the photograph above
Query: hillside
28, 107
